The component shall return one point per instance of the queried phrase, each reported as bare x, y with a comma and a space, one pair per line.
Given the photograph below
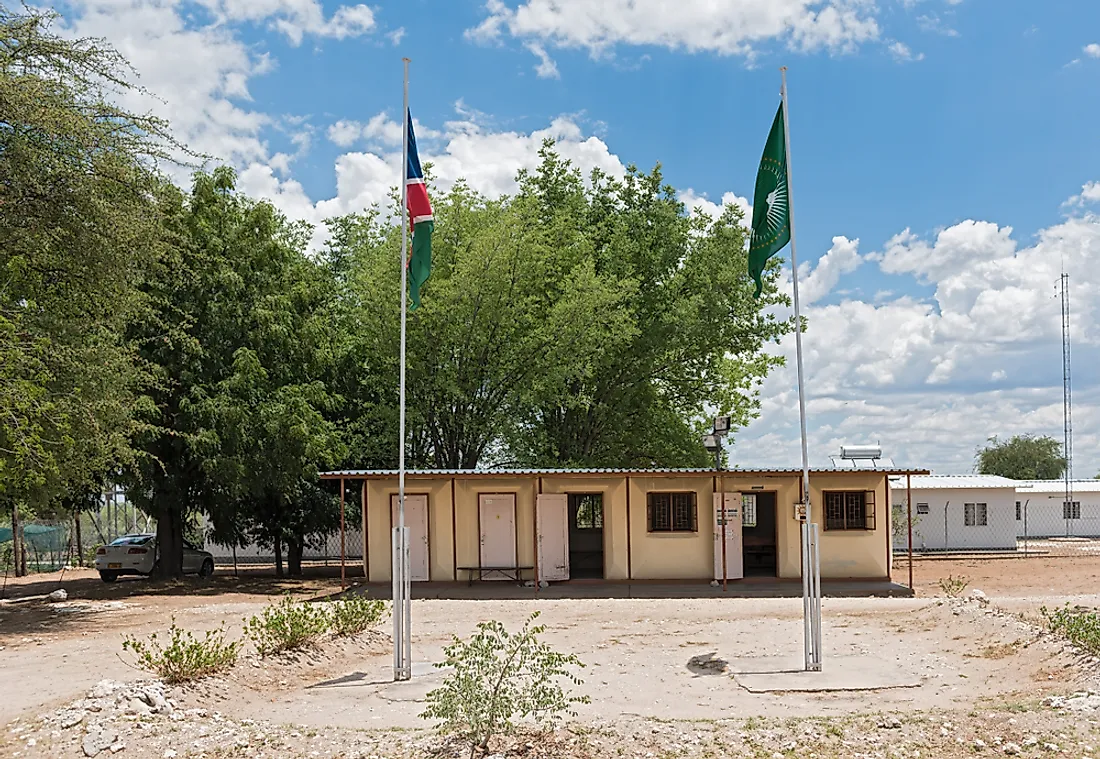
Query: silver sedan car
137, 555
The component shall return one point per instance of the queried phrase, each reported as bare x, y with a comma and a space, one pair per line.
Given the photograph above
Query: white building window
975, 515
1071, 510
922, 508
748, 510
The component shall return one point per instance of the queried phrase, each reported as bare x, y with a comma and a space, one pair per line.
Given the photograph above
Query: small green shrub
953, 587
185, 657
286, 626
355, 614
498, 678
1076, 624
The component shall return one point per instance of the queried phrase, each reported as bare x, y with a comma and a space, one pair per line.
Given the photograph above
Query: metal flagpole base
402, 624
815, 598
811, 597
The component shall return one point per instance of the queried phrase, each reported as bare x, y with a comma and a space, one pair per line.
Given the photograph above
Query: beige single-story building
624, 524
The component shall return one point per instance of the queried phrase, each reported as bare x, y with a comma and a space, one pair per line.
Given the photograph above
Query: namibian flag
420, 219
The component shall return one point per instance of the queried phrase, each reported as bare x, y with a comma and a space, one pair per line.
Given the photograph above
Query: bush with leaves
185, 657
952, 586
1076, 624
498, 678
355, 614
287, 626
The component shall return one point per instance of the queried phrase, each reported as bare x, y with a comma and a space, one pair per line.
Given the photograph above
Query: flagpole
811, 602
401, 610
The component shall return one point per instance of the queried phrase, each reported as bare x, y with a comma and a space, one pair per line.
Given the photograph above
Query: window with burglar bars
1019, 511
748, 510
589, 510
850, 510
975, 515
1071, 510
672, 512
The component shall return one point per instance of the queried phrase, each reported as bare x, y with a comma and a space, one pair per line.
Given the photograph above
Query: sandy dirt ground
658, 673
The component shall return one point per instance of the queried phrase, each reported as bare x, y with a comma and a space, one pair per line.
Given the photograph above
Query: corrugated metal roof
1057, 486
377, 473
955, 482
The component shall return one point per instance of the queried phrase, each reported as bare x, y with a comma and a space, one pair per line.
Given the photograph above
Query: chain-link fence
320, 550
46, 545
1042, 524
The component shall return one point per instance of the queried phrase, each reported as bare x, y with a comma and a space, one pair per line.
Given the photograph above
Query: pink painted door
498, 531
553, 537
416, 519
735, 559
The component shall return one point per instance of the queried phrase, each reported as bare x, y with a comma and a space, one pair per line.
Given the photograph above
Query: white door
498, 532
416, 519
735, 565
553, 542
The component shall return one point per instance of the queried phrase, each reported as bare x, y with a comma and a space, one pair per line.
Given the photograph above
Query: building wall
846, 553
378, 526
1046, 517
630, 550
671, 555
613, 490
932, 533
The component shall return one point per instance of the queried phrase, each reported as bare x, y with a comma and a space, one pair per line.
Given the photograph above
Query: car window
132, 540
188, 546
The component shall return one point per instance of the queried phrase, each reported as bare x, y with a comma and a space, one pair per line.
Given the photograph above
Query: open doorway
586, 536
758, 530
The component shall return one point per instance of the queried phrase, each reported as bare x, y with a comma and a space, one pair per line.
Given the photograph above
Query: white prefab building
971, 512
1043, 511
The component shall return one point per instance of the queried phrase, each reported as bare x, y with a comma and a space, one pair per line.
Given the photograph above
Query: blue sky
921, 131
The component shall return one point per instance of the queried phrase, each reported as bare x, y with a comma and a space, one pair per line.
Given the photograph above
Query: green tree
1023, 457
570, 324
78, 226
512, 315
240, 348
695, 335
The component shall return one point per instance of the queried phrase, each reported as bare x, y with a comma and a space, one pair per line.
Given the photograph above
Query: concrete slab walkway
786, 674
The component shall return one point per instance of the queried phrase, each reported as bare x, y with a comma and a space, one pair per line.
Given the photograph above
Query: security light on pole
721, 426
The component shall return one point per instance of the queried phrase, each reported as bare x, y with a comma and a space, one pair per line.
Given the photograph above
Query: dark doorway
585, 536
759, 534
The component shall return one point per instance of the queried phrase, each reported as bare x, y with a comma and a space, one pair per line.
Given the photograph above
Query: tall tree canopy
78, 225
1023, 457
575, 324
239, 347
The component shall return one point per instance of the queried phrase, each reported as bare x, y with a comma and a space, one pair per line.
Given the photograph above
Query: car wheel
108, 576
207, 568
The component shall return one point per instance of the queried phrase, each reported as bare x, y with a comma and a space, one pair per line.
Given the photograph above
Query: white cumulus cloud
728, 28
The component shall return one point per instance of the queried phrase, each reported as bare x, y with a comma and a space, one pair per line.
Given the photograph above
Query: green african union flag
771, 208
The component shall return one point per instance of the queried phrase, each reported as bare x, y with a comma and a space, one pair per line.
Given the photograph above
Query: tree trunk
278, 557
18, 553
79, 541
294, 550
169, 536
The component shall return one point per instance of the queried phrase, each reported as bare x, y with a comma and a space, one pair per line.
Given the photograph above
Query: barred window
1018, 511
588, 508
1071, 510
922, 508
850, 510
975, 515
672, 512
748, 510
